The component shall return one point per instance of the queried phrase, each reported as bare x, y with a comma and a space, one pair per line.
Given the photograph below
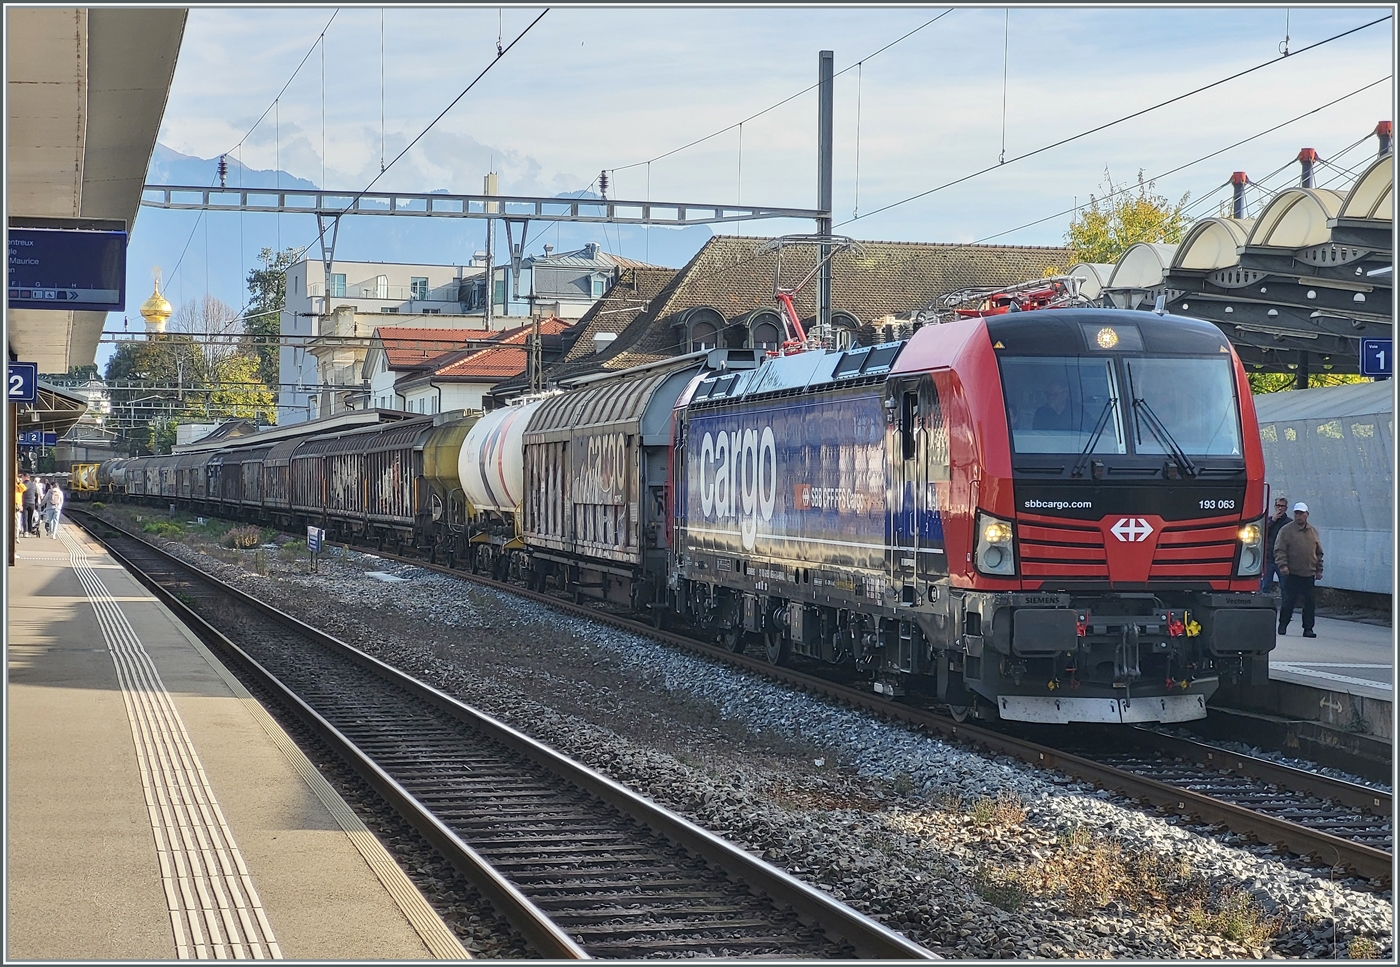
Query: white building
330, 325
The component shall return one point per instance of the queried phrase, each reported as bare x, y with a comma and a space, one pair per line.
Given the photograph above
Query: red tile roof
495, 363
413, 347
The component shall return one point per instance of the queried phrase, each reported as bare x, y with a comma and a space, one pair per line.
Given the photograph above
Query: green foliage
267, 289
242, 392
1120, 219
170, 529
98, 506
1278, 382
292, 550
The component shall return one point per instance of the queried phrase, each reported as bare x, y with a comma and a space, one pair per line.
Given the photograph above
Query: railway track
581, 866
1338, 824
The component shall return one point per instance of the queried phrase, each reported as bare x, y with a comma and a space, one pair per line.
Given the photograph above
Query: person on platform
1276, 524
53, 509
21, 492
1298, 555
1055, 414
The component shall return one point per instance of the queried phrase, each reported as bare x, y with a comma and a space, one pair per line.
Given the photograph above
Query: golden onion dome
155, 310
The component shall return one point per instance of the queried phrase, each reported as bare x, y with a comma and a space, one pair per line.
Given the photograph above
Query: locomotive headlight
1252, 549
994, 553
996, 532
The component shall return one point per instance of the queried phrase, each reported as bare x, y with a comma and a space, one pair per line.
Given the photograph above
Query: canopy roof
1212, 243
1296, 218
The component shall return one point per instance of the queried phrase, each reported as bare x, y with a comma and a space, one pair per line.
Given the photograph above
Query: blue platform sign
53, 268
38, 438
314, 537
22, 380
1376, 357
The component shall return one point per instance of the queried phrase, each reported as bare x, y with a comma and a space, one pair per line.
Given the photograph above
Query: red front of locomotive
1101, 511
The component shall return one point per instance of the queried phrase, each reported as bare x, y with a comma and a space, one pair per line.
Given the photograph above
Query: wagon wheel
733, 640
775, 647
960, 713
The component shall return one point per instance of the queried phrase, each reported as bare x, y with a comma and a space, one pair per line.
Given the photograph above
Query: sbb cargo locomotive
1046, 516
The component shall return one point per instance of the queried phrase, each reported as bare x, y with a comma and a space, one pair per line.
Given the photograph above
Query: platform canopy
86, 90
1295, 289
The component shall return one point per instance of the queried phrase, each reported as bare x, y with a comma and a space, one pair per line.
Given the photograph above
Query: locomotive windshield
1193, 398
1074, 405
1055, 404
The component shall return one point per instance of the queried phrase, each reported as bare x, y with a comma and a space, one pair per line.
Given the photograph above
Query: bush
1004, 888
292, 550
243, 537
168, 529
260, 562
98, 506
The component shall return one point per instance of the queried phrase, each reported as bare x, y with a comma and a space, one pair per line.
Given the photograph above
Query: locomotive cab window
1193, 400
1060, 404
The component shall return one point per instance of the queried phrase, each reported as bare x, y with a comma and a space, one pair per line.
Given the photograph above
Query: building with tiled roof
396, 352
462, 380
725, 297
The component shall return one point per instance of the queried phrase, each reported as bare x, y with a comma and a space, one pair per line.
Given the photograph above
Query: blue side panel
797, 480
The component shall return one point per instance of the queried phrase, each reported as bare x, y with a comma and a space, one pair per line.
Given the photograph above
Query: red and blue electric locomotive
1051, 516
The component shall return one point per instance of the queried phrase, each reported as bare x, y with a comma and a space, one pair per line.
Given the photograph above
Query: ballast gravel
949, 846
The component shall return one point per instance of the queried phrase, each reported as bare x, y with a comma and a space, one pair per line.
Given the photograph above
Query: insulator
603, 183
223, 172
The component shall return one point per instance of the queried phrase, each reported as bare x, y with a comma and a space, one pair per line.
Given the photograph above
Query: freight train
1041, 516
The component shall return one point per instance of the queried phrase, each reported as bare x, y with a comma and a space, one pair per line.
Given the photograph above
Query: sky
593, 88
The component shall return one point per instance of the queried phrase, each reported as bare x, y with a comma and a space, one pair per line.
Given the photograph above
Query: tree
240, 393
173, 370
267, 287
1278, 382
1111, 224
213, 324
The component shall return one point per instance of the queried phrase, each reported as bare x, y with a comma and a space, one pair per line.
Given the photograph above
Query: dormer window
599, 284
702, 327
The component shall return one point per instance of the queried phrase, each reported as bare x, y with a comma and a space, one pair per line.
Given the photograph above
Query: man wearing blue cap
1298, 556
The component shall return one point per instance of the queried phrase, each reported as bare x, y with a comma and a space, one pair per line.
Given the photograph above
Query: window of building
598, 284
702, 326
418, 287
431, 312
393, 309
765, 329
338, 284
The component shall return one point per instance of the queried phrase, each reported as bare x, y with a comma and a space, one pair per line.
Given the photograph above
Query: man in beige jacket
1298, 555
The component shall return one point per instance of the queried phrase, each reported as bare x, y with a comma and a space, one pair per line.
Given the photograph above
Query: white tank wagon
1333, 448
490, 470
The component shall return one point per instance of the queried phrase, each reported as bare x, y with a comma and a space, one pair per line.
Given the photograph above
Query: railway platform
155, 810
1329, 697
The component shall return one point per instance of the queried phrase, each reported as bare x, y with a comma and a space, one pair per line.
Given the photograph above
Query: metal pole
824, 155
490, 189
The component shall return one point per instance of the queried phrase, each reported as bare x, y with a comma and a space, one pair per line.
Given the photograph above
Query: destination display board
67, 269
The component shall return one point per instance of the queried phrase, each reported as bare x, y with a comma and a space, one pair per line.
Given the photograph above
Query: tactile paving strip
215, 911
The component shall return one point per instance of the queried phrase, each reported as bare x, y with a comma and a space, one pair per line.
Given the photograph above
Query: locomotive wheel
960, 713
733, 640
775, 647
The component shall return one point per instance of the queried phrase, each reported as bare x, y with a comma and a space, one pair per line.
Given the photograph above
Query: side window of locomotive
909, 423
936, 437
1059, 404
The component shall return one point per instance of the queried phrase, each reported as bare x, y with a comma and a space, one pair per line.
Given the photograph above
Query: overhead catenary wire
772, 107
1203, 158
500, 54
1109, 124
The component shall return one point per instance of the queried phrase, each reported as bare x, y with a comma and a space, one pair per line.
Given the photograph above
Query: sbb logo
1131, 529
739, 478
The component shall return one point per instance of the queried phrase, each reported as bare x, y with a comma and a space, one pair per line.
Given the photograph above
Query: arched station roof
1212, 243
1142, 266
1296, 218
1373, 194
1095, 276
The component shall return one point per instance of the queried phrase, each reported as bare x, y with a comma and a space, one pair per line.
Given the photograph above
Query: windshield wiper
1165, 438
1078, 468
